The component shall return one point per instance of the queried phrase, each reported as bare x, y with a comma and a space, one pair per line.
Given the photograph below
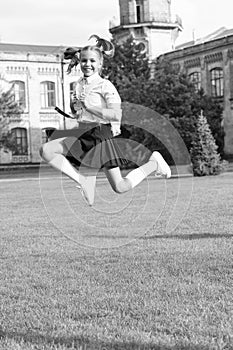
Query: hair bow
72, 54
104, 45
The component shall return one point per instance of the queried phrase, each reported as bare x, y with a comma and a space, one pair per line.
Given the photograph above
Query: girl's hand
84, 101
97, 111
76, 105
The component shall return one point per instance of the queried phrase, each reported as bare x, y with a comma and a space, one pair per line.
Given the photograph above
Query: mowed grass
73, 277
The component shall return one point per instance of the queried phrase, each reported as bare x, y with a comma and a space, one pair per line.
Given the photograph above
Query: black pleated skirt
91, 145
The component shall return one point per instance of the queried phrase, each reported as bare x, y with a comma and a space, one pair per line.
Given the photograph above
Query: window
216, 79
21, 142
46, 133
139, 18
139, 31
195, 78
19, 93
47, 94
72, 88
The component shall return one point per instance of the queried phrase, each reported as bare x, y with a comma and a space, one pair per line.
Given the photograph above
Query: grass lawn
157, 274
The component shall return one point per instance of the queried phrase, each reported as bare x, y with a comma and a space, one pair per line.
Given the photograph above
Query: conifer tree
204, 155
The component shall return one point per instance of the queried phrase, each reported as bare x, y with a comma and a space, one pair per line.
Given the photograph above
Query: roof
26, 48
220, 33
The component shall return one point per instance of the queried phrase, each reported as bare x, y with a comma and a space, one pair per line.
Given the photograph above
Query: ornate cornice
213, 57
47, 70
194, 62
17, 69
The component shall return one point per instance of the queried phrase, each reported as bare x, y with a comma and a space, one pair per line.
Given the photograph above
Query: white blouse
103, 94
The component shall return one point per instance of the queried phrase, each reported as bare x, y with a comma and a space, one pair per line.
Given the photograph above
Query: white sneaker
163, 168
87, 189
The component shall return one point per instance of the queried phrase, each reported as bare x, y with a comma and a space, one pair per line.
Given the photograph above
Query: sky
71, 22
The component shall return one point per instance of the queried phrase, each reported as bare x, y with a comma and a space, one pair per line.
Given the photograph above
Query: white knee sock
60, 162
138, 175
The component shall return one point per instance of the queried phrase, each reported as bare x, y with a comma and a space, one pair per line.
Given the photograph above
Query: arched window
46, 133
216, 80
47, 94
21, 141
19, 93
195, 78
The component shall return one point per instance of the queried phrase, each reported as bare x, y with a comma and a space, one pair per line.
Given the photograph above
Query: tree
176, 98
8, 108
129, 66
171, 94
204, 155
213, 112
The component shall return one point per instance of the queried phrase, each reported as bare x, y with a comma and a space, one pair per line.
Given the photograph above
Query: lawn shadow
88, 344
191, 236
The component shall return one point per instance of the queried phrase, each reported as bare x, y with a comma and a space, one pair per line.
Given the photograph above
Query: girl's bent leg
123, 184
53, 152
156, 164
49, 149
117, 182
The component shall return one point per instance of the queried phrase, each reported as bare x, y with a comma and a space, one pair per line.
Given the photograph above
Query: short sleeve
110, 94
112, 111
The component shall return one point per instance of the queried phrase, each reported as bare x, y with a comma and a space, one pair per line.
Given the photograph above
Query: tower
149, 22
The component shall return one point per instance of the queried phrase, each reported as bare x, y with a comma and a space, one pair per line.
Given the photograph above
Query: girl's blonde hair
103, 48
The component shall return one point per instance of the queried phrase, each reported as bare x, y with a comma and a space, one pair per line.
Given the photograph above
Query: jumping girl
96, 105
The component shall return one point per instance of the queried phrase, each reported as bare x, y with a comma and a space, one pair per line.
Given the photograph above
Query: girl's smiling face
90, 62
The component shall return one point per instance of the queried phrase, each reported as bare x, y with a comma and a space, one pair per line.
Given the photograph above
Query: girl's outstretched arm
113, 111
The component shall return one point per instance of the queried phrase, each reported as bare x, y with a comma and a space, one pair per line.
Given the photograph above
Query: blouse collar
91, 78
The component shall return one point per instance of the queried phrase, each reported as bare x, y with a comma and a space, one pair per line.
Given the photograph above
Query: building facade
209, 64
40, 83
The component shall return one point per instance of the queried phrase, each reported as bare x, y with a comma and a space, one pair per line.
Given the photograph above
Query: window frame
21, 139
195, 78
44, 135
19, 89
47, 94
216, 82
72, 87
139, 11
